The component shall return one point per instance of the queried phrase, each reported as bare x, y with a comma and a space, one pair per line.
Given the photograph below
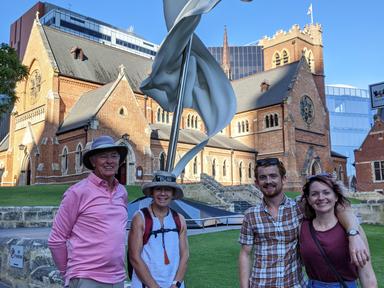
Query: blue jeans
319, 284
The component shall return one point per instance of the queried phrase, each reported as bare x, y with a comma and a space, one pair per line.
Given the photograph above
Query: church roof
100, 63
4, 144
191, 136
338, 155
85, 108
250, 95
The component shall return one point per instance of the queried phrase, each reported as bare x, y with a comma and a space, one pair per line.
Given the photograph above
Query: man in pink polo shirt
88, 236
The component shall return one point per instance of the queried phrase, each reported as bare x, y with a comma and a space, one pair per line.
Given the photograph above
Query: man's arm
184, 252
358, 250
366, 274
245, 265
63, 223
135, 247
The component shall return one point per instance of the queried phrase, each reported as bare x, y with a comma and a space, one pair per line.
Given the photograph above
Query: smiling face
321, 198
162, 196
106, 164
269, 181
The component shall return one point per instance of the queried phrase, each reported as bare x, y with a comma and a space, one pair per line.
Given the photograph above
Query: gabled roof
4, 144
191, 136
280, 80
101, 64
85, 108
338, 155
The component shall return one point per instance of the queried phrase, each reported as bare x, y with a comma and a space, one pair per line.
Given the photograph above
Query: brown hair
328, 180
266, 162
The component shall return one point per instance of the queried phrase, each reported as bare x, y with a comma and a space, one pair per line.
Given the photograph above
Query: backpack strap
176, 218
148, 223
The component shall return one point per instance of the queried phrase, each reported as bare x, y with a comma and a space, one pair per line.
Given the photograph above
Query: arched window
64, 161
340, 173
167, 117
162, 161
271, 121
158, 115
196, 122
195, 166
250, 170
238, 127
242, 126
267, 121
246, 126
188, 121
277, 59
79, 158
225, 168
241, 171
163, 116
214, 168
276, 120
285, 57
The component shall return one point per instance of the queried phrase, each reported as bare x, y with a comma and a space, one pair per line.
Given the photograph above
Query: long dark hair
328, 180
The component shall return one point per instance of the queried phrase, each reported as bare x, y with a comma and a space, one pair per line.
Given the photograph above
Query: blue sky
352, 30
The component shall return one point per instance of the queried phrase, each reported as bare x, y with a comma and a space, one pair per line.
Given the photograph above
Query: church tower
226, 61
289, 46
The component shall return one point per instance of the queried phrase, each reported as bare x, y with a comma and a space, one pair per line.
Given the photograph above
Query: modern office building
351, 118
77, 24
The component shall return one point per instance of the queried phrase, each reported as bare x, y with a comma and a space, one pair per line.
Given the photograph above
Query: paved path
43, 233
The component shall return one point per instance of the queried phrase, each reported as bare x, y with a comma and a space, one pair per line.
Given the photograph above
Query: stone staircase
236, 198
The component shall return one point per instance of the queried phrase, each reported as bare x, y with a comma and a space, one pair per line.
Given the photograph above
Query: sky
352, 30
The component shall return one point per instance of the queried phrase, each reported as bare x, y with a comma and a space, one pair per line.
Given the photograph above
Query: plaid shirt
276, 261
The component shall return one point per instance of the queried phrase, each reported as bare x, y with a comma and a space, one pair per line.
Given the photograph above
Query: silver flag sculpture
206, 88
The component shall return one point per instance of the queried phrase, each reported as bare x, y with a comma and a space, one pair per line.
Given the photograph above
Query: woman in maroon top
322, 194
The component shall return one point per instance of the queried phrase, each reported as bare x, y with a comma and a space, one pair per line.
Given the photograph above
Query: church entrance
127, 171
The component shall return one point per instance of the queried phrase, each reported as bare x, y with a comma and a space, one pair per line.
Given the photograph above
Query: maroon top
335, 245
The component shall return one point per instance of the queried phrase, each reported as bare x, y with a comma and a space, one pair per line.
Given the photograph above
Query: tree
11, 71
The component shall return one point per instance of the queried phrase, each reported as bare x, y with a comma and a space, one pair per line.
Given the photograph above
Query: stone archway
315, 168
25, 171
127, 171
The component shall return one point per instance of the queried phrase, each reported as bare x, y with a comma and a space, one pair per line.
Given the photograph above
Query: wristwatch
176, 283
353, 232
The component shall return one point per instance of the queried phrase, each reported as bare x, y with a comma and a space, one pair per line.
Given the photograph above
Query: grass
45, 195
214, 258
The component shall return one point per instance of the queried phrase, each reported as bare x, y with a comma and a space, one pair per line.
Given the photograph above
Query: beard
271, 190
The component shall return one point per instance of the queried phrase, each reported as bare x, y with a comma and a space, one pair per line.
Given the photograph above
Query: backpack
148, 225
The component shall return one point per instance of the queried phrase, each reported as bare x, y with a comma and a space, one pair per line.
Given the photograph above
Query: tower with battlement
289, 46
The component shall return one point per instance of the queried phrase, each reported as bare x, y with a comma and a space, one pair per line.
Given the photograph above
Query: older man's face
106, 164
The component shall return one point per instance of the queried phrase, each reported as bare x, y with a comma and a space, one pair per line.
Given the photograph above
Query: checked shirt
276, 261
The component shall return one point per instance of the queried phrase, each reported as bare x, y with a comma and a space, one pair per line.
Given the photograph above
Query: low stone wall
34, 216
38, 269
370, 213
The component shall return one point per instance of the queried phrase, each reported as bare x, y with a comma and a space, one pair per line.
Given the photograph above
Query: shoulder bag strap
338, 276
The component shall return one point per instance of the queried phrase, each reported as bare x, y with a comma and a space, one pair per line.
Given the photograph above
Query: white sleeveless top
153, 253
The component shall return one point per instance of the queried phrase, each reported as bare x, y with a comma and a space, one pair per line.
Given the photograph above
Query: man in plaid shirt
272, 228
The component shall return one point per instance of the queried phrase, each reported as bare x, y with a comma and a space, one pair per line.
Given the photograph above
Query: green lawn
214, 258
44, 195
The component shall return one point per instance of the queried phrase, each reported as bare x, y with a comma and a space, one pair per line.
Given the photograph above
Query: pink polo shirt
88, 235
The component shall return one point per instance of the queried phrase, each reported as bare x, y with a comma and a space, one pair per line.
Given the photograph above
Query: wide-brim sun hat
101, 144
163, 179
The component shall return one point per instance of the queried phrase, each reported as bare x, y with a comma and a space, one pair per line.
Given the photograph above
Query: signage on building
17, 256
377, 95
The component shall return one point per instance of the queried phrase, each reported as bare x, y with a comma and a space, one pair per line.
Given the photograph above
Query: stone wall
38, 269
35, 216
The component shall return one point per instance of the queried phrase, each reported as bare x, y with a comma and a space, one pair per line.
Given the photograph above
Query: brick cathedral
79, 89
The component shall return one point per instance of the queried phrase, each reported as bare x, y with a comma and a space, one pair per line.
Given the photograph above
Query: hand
358, 251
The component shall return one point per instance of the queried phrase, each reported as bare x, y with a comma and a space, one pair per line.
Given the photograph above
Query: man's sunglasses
267, 161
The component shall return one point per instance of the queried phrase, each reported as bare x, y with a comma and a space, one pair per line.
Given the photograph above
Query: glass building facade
244, 60
350, 118
98, 31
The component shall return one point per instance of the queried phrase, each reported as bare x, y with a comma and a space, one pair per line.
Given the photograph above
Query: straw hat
163, 179
102, 144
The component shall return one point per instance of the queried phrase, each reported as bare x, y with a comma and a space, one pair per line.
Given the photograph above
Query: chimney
78, 53
264, 86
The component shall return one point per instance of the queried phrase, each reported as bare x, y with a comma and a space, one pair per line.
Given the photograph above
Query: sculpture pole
179, 108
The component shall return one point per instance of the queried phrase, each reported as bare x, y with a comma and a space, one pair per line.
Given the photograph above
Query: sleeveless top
335, 245
153, 253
